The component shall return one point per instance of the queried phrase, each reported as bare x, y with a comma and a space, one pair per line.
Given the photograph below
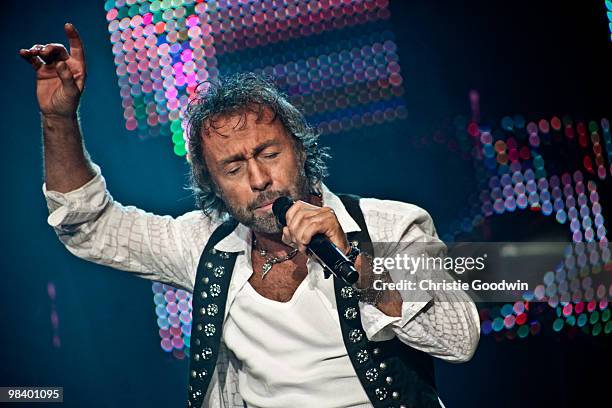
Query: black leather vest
392, 373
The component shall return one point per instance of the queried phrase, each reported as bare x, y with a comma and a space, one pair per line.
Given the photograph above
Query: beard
266, 223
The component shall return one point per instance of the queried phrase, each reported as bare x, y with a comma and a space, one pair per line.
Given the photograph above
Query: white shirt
95, 227
292, 352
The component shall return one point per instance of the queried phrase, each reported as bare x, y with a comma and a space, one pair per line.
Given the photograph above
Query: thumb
63, 71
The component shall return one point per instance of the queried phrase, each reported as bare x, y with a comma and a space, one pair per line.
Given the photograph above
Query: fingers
297, 210
319, 223
295, 216
63, 71
305, 220
40, 54
76, 45
32, 58
47, 54
51, 53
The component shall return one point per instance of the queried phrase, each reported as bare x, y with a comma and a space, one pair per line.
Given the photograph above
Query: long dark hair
240, 94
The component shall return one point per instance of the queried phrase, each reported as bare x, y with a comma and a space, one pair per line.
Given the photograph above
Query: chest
281, 282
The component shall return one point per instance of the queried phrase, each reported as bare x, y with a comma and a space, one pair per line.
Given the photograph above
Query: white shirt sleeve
443, 324
97, 228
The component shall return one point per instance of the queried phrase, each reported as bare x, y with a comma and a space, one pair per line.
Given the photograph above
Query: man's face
252, 163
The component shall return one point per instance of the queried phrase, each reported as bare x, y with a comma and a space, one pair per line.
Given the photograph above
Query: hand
60, 77
304, 220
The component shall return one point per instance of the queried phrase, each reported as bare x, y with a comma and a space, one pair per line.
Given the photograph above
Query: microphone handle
325, 252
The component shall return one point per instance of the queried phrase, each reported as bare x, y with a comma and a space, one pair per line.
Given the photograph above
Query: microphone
320, 248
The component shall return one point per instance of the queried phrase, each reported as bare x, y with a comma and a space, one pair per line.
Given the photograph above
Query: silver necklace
271, 260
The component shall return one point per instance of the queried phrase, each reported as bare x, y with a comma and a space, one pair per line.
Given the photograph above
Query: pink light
192, 79
136, 21
172, 308
141, 66
112, 14
186, 55
131, 124
166, 345
163, 49
172, 103
174, 321
591, 305
179, 80
177, 342
178, 68
152, 120
132, 68
395, 79
147, 86
192, 21
126, 34
139, 43
138, 32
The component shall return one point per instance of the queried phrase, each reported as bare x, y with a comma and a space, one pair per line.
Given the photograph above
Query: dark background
538, 59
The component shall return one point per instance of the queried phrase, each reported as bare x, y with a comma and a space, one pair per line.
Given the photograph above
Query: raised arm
60, 80
86, 218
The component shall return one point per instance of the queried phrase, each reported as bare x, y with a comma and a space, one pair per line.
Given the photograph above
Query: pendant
265, 268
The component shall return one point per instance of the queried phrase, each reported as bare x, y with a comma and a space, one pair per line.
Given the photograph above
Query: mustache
265, 197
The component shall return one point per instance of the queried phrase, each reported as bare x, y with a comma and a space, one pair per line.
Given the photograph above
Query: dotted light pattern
348, 80
173, 310
513, 175
162, 51
334, 58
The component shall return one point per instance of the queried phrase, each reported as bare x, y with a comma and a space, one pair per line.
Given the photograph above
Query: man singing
269, 329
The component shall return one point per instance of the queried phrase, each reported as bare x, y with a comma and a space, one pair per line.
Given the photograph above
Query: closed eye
233, 171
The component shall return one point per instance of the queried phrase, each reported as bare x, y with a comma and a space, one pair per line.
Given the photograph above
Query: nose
259, 177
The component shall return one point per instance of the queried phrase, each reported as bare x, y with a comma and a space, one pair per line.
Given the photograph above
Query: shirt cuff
78, 205
379, 326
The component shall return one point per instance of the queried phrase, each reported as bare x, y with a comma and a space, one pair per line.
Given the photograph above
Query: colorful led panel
554, 167
173, 310
336, 59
